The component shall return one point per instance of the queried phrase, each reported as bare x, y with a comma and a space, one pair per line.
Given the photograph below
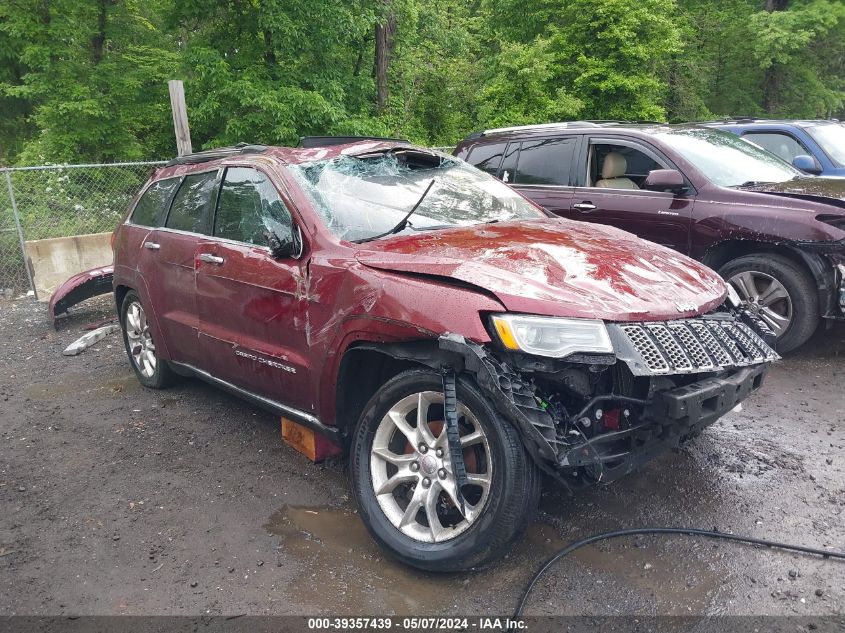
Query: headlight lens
551, 336
733, 296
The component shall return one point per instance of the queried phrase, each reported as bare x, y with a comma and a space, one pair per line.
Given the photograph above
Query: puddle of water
344, 571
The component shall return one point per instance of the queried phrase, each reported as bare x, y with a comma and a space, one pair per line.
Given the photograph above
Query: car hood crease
558, 268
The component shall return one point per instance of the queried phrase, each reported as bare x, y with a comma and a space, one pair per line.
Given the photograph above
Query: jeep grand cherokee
448, 333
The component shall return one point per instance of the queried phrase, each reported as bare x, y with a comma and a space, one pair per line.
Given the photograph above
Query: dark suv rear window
191, 208
150, 208
487, 157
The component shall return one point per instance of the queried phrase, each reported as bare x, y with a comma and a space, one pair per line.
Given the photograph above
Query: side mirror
285, 245
807, 164
665, 180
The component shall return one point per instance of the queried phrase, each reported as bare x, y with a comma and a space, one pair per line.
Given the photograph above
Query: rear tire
780, 292
151, 370
494, 453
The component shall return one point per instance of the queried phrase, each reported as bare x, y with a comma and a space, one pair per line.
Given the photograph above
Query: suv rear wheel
151, 370
405, 488
779, 292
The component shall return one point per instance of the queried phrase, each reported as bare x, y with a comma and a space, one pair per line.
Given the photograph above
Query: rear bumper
80, 287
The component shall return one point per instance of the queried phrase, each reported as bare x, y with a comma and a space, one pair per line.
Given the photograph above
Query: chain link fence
59, 201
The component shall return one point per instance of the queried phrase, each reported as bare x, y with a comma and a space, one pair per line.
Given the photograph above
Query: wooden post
180, 116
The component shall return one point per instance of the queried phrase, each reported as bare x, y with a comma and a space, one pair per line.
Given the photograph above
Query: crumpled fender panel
82, 286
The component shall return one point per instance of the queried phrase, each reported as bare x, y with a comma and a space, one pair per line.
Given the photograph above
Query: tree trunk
772, 80
98, 41
385, 33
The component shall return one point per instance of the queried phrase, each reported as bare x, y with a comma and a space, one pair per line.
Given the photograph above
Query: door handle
584, 207
153, 246
211, 259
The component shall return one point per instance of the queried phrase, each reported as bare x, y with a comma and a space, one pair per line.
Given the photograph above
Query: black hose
655, 530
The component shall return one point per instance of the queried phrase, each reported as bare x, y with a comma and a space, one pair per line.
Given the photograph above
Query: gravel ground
115, 499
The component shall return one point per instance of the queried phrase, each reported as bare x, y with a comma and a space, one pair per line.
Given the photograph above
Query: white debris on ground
89, 338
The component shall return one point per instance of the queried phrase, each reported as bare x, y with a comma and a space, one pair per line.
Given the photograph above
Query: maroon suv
775, 233
448, 333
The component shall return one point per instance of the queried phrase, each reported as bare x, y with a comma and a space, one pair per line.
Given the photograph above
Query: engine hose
661, 530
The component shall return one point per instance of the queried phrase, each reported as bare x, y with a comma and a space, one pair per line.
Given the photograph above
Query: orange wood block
313, 445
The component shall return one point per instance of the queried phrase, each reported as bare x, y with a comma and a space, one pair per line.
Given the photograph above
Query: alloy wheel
412, 474
766, 297
141, 346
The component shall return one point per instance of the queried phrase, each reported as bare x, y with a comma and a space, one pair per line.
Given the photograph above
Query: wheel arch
366, 366
811, 263
720, 254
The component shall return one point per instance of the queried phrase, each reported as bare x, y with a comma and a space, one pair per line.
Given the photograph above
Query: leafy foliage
86, 80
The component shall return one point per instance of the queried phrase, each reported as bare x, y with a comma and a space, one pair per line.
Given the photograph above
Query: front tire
779, 292
404, 486
151, 371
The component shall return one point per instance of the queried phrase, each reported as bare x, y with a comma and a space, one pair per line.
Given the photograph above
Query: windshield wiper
400, 226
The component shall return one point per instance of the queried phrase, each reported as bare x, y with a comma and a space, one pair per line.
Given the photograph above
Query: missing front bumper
668, 419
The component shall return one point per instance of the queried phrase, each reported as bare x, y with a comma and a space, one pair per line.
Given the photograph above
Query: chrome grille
676, 356
691, 346
646, 347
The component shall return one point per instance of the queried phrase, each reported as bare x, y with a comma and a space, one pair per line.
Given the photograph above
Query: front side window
727, 160
832, 139
361, 197
191, 208
544, 162
249, 207
487, 158
781, 145
151, 205
614, 166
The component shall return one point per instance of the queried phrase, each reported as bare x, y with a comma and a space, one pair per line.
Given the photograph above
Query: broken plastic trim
456, 451
82, 286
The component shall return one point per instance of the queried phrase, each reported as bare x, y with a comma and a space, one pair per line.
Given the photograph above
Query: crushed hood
558, 267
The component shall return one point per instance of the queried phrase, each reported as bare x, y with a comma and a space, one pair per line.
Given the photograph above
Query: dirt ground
119, 500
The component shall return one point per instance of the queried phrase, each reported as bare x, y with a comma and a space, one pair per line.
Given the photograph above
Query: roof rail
217, 153
564, 125
326, 141
540, 126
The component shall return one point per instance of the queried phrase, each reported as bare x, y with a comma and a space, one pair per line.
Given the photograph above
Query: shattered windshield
728, 160
365, 197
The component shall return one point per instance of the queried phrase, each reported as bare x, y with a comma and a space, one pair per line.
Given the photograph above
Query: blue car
815, 146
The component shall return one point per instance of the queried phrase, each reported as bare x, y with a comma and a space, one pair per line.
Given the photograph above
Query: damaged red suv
454, 338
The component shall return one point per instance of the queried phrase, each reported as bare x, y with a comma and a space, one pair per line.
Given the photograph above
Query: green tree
93, 75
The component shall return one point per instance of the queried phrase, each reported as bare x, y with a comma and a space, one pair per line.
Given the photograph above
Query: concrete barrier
54, 260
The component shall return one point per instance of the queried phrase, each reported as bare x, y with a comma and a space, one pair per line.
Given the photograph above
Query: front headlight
552, 336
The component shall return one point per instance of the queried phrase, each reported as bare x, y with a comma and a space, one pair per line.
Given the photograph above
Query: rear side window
191, 208
151, 206
545, 162
487, 157
248, 207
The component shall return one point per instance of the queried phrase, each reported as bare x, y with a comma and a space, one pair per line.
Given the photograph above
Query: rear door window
248, 207
546, 162
152, 205
487, 157
191, 208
